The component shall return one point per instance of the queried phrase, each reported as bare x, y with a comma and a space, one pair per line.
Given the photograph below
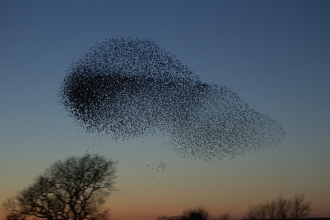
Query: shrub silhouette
196, 214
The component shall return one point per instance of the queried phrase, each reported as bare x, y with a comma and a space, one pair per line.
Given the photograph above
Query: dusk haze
211, 105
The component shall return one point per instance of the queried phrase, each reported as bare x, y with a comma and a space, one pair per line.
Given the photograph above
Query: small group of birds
128, 88
86, 153
159, 168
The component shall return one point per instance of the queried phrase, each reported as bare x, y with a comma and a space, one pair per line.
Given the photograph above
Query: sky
274, 54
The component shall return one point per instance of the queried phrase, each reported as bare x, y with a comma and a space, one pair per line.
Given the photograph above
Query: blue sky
273, 54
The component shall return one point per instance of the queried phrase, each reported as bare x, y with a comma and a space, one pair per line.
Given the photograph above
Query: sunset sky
274, 54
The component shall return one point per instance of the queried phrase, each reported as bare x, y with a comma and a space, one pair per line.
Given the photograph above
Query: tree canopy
74, 188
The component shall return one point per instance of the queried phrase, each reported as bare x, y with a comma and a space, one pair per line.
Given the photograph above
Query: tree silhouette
281, 208
74, 188
300, 208
196, 214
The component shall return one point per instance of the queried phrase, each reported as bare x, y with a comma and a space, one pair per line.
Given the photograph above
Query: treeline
279, 208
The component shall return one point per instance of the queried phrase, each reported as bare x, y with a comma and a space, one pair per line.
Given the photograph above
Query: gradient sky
274, 54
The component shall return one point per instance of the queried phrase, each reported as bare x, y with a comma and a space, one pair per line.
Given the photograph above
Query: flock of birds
159, 168
130, 88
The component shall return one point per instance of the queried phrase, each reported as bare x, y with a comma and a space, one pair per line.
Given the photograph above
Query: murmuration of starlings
130, 88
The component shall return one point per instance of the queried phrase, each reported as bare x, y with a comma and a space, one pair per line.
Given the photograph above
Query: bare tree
280, 208
271, 209
256, 211
300, 208
283, 207
74, 189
